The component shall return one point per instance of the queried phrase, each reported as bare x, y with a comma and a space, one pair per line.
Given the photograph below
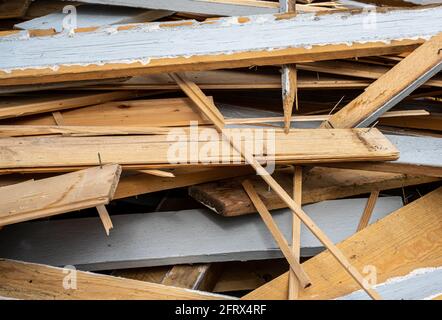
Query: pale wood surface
299, 146
396, 245
368, 211
294, 286
73, 191
292, 259
39, 282
391, 84
23, 107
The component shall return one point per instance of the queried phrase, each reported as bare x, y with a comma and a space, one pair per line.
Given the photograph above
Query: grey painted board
193, 6
224, 36
420, 151
92, 16
421, 284
166, 238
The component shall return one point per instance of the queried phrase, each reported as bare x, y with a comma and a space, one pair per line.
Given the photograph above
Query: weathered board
214, 44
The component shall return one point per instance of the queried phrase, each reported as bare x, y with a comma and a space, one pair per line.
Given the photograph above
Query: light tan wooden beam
405, 240
250, 159
69, 192
289, 75
105, 218
292, 259
365, 218
390, 88
22, 280
294, 286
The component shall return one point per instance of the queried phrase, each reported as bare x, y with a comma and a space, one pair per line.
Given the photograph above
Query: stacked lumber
221, 149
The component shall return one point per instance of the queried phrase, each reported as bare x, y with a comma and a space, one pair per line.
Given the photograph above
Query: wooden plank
107, 124
211, 7
105, 218
170, 238
18, 108
396, 245
22, 280
289, 75
94, 16
395, 85
129, 113
73, 191
137, 184
420, 284
172, 47
197, 277
299, 146
227, 197
357, 69
292, 259
368, 211
418, 155
13, 9
294, 285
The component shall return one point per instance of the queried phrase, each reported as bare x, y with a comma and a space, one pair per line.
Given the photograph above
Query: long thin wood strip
365, 218
105, 218
63, 103
289, 75
159, 173
292, 259
296, 232
23, 280
250, 159
395, 85
195, 94
227, 197
405, 240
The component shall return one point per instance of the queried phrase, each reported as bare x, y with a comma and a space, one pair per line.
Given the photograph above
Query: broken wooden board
395, 85
299, 146
199, 236
174, 47
136, 184
23, 106
21, 280
420, 284
93, 16
128, 113
69, 192
228, 198
418, 156
404, 241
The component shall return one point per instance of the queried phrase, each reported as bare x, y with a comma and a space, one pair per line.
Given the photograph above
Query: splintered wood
213, 145
47, 197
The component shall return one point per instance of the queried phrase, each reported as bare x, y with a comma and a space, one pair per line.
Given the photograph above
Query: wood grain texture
299, 146
182, 237
370, 104
69, 192
271, 225
227, 198
294, 285
173, 47
396, 245
13, 9
126, 113
19, 108
22, 280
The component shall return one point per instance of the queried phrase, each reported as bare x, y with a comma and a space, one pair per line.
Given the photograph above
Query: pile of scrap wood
237, 148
